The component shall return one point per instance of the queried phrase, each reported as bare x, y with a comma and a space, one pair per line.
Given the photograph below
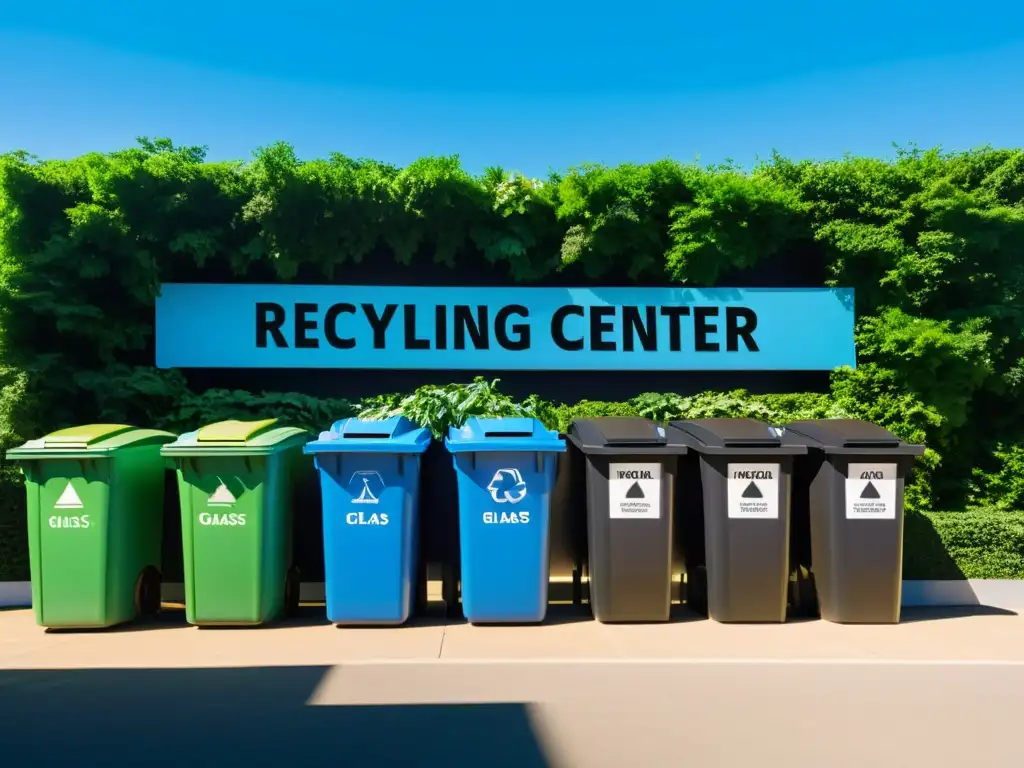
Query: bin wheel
805, 594
147, 592
292, 583
697, 589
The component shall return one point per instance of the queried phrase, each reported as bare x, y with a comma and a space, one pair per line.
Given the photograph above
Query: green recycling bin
95, 523
236, 484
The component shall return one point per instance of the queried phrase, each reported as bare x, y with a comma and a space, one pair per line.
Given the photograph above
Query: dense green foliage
976, 544
931, 242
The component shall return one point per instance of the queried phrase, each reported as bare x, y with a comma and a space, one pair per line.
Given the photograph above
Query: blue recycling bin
506, 473
369, 479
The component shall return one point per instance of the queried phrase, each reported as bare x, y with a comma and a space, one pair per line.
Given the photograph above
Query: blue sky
525, 85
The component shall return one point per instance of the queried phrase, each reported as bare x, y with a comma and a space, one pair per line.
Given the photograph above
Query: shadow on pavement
936, 613
248, 717
171, 616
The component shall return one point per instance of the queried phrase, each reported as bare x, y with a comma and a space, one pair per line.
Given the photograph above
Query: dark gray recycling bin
745, 467
631, 468
855, 471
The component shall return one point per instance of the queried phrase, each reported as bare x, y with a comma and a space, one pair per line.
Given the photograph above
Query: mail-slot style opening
370, 435
752, 443
871, 443
506, 433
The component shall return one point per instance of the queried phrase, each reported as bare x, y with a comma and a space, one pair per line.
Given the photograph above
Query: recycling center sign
410, 327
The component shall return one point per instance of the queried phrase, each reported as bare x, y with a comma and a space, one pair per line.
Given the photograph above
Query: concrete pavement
944, 688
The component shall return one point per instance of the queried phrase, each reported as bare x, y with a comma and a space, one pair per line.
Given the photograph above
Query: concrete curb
994, 593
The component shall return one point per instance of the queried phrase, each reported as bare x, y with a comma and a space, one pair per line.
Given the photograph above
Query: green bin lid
245, 438
88, 439
233, 431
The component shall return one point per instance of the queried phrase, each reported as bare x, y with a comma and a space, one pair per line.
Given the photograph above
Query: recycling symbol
507, 486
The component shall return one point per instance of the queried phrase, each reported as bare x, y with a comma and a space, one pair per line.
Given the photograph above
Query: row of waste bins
95, 517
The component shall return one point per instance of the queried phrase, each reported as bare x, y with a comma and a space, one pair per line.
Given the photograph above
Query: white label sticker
753, 490
634, 491
871, 492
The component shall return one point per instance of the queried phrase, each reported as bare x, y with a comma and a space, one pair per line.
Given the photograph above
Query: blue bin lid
392, 435
516, 434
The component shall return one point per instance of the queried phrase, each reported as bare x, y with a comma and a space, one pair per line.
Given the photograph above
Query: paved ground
944, 688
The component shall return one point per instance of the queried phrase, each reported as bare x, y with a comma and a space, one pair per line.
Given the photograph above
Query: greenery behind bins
932, 242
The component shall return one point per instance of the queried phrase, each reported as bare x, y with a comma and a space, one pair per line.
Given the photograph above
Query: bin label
497, 518
634, 491
230, 519
753, 491
77, 521
871, 492
367, 518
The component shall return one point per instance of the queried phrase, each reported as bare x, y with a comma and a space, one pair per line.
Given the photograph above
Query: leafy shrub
563, 415
441, 407
710, 405
974, 544
291, 408
1002, 488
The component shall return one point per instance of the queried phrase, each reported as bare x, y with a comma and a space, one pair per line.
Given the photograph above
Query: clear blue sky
527, 85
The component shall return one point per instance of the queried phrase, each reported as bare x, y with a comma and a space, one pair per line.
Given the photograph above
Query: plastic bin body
506, 474
745, 468
631, 473
856, 474
95, 521
370, 480
235, 482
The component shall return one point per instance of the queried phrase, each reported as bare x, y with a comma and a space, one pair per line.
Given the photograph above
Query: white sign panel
871, 492
634, 491
753, 491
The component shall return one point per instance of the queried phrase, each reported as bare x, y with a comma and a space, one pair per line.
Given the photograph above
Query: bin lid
850, 436
737, 436
631, 435
88, 439
245, 438
509, 434
395, 434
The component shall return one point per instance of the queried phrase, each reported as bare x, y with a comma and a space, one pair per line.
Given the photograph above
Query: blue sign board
596, 329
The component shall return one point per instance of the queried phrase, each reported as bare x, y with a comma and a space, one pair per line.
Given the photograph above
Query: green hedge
974, 544
930, 241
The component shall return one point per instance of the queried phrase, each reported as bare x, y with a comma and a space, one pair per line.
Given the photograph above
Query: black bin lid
622, 435
736, 436
850, 436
